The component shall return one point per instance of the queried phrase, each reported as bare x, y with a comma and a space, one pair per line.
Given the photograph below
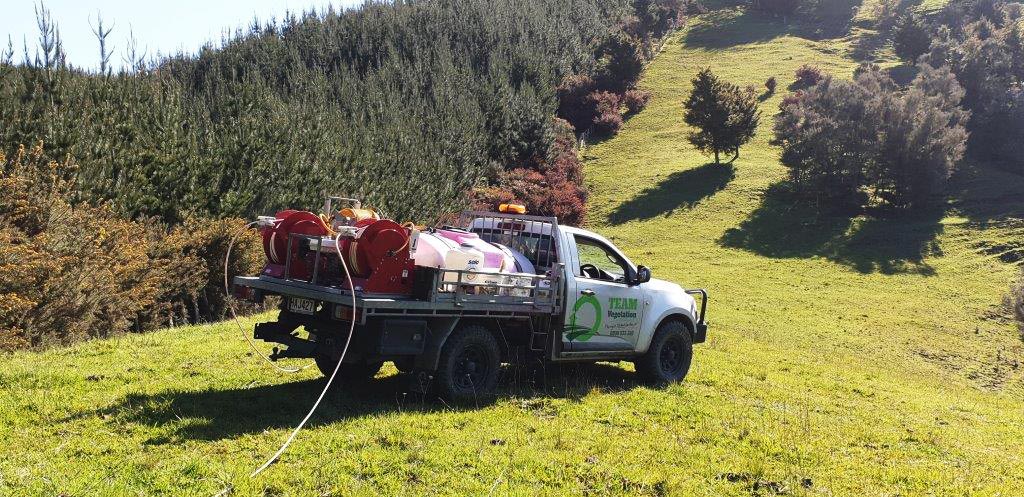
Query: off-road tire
347, 371
469, 366
668, 358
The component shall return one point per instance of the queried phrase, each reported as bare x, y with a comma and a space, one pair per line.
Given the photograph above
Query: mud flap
440, 330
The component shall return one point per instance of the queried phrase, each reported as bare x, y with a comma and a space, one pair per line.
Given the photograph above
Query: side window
599, 262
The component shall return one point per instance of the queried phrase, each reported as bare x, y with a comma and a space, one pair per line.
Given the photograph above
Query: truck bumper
700, 333
700, 329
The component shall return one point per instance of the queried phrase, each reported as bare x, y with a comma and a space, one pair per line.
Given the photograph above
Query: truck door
604, 311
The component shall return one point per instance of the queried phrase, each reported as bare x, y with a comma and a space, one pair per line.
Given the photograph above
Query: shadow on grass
220, 414
987, 193
866, 45
681, 189
989, 197
885, 243
729, 27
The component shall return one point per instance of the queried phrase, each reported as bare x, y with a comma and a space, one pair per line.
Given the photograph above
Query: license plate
301, 306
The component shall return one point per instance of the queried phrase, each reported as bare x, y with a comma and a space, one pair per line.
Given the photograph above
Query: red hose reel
378, 257
381, 255
276, 238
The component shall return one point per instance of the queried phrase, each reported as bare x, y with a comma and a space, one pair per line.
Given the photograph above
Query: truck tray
449, 293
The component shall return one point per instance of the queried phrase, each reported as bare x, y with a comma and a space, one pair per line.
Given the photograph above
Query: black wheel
669, 356
347, 371
469, 365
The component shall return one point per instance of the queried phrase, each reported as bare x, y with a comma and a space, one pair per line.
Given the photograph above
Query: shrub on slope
552, 186
71, 271
840, 139
983, 43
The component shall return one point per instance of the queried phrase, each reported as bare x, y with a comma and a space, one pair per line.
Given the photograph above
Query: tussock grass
847, 355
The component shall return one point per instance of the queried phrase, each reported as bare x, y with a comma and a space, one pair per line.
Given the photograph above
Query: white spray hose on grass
351, 331
231, 307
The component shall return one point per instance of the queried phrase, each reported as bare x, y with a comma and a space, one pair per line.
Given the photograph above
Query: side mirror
643, 274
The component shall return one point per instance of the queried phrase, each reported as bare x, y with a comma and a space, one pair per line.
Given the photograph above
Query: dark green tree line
407, 105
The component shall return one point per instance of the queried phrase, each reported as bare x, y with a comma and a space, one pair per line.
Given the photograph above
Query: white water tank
431, 250
463, 258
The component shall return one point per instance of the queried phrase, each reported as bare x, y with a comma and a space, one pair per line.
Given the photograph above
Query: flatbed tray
543, 295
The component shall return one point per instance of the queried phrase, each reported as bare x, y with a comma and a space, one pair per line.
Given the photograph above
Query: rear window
539, 249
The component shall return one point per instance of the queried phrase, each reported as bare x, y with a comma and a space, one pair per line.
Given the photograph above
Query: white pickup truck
586, 301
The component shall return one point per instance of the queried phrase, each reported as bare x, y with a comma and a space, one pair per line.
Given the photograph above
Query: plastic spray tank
494, 257
463, 251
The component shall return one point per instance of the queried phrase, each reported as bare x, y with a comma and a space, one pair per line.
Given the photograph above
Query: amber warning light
512, 208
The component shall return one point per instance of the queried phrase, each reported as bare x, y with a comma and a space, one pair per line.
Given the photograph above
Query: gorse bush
923, 137
843, 139
574, 103
910, 39
191, 258
636, 100
608, 113
70, 271
66, 272
983, 44
553, 186
807, 76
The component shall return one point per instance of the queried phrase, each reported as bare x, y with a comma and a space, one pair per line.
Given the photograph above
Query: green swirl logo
584, 333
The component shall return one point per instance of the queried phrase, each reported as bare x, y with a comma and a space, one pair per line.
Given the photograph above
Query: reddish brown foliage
807, 76
552, 187
608, 118
574, 103
636, 100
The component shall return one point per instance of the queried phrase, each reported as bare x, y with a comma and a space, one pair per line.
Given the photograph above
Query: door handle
587, 292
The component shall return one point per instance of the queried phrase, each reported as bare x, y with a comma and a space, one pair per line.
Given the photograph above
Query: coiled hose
351, 331
234, 315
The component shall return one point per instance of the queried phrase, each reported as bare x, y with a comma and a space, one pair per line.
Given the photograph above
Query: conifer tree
724, 114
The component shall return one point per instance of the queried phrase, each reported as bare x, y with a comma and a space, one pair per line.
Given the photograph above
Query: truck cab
614, 305
572, 296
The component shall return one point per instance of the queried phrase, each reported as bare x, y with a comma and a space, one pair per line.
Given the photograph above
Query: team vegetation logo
618, 308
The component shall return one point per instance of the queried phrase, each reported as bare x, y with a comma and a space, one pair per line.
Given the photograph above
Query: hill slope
847, 356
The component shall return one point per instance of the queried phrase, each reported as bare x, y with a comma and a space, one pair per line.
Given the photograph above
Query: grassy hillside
846, 356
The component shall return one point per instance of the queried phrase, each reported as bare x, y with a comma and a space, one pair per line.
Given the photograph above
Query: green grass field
846, 356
